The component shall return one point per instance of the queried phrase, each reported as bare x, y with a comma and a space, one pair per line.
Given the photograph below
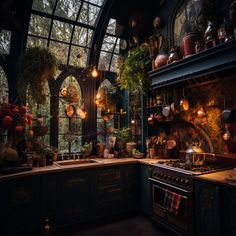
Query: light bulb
94, 73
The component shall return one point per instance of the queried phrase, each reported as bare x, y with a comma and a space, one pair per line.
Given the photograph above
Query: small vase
161, 60
189, 44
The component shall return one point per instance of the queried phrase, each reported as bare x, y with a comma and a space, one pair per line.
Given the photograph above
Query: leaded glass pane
61, 31
62, 144
89, 14
82, 36
5, 41
3, 85
76, 144
114, 63
104, 61
36, 42
44, 5
108, 43
96, 2
60, 50
117, 46
63, 125
78, 56
39, 25
111, 27
68, 9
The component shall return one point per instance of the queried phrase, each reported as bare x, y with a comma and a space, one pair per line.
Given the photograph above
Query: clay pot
161, 60
189, 44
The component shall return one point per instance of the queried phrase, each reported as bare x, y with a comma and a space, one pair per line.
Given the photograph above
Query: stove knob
186, 182
177, 179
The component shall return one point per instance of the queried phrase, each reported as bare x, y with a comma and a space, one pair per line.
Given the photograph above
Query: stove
183, 167
171, 178
180, 174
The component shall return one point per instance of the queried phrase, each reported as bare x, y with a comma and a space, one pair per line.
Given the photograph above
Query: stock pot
195, 155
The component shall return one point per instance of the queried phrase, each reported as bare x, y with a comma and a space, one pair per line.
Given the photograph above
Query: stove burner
180, 166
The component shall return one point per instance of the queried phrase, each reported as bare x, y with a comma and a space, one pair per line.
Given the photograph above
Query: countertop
99, 162
226, 177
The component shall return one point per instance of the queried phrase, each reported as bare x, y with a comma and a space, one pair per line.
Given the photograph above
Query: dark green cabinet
67, 197
207, 209
230, 212
144, 189
20, 206
108, 191
115, 190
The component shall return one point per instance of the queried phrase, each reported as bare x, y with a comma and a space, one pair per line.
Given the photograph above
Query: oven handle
160, 182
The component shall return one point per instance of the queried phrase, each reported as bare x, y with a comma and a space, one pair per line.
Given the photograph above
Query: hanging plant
36, 66
134, 71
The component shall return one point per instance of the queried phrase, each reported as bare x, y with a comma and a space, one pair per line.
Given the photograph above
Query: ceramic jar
189, 44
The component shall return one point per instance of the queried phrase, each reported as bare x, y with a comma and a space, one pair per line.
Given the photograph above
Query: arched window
105, 122
186, 14
67, 27
70, 121
3, 97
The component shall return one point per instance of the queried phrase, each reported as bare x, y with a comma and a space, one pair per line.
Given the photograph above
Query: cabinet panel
67, 197
207, 210
108, 190
230, 212
145, 189
20, 206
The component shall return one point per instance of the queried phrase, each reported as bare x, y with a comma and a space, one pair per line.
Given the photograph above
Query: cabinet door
130, 174
145, 189
20, 206
67, 197
207, 210
108, 191
230, 212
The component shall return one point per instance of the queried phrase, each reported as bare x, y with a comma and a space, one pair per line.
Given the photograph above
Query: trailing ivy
134, 71
36, 66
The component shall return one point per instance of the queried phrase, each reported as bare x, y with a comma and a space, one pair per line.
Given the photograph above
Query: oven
172, 200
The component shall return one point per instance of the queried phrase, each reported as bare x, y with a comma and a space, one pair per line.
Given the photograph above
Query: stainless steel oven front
164, 211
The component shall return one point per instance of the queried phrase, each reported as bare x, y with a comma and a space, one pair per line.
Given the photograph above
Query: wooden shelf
217, 59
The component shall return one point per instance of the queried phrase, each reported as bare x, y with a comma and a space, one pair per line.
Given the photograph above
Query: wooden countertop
99, 162
226, 177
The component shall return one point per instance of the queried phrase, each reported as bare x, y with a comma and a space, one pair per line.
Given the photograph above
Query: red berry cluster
14, 117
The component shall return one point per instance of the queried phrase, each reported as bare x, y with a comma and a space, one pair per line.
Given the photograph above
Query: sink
75, 162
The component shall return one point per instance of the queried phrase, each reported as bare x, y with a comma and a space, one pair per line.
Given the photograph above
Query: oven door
181, 221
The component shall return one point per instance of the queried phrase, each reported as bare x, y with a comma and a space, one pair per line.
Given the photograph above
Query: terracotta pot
161, 60
100, 148
189, 44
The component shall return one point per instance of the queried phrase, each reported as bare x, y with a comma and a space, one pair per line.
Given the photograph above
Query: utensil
174, 105
184, 103
166, 108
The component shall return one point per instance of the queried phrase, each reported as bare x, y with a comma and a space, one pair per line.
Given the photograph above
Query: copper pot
161, 60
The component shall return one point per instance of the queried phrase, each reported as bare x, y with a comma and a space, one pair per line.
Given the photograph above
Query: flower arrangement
14, 118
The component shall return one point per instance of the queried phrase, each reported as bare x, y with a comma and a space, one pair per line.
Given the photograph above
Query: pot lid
194, 148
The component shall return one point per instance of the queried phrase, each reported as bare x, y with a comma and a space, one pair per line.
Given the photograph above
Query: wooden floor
134, 226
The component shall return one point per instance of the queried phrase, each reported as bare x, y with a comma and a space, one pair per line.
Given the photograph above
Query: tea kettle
194, 154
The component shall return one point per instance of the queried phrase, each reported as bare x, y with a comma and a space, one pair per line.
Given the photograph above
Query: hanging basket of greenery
134, 71
36, 66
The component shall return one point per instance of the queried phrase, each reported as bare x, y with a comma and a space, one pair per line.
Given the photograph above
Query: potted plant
133, 71
36, 66
87, 149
